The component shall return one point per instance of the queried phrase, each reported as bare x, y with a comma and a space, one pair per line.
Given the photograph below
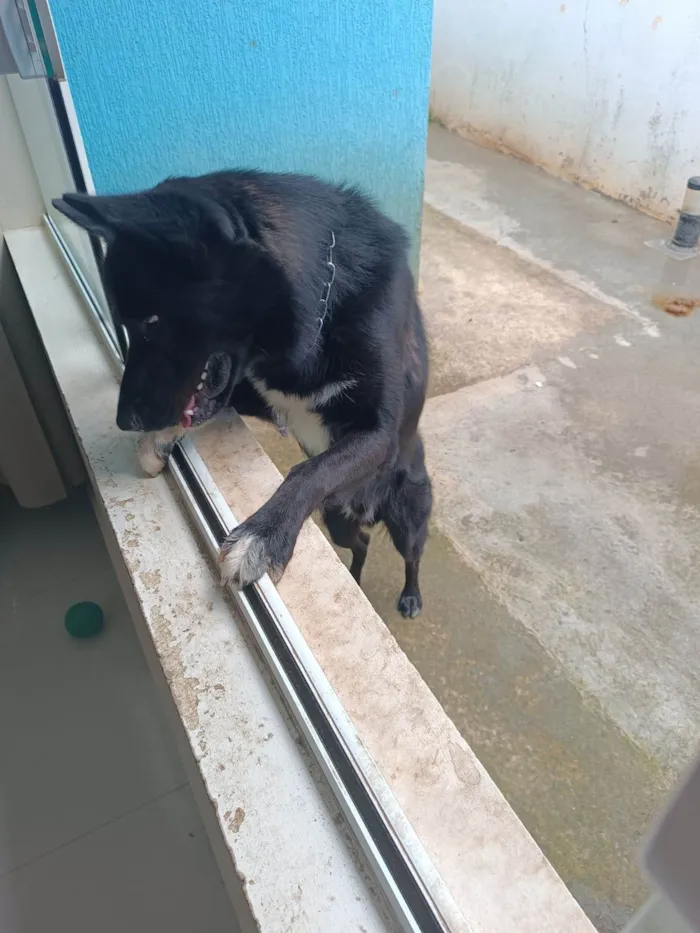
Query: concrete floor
561, 627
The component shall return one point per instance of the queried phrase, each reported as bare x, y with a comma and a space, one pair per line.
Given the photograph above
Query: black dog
291, 300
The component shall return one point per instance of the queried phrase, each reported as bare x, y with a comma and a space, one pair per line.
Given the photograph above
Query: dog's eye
153, 319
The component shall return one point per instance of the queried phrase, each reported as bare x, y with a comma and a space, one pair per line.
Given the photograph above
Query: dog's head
186, 280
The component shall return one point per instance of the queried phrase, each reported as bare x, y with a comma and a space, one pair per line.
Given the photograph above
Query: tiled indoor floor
98, 827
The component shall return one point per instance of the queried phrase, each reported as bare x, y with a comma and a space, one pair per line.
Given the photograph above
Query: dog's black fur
224, 276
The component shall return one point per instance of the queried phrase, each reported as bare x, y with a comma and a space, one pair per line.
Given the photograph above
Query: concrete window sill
269, 817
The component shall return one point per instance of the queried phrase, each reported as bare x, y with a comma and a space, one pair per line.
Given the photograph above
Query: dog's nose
128, 420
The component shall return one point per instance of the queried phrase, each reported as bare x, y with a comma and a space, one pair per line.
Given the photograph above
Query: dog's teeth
204, 375
200, 386
190, 412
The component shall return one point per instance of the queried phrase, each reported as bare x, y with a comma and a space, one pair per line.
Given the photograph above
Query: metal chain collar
326, 294
279, 418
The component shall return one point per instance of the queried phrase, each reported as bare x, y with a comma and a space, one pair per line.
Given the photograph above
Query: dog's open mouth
212, 392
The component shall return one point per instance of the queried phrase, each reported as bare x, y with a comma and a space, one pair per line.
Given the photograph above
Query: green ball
83, 620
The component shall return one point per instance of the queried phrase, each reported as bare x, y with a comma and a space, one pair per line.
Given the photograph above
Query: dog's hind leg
406, 514
359, 554
346, 532
155, 448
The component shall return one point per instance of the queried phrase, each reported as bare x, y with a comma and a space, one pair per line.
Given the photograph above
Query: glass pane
50, 127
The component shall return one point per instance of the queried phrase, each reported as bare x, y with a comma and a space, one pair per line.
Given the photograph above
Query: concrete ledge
493, 869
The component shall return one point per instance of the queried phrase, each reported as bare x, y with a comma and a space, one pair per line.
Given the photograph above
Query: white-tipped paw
151, 461
246, 557
154, 449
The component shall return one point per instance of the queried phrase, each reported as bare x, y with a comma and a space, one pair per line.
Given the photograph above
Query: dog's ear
163, 217
94, 214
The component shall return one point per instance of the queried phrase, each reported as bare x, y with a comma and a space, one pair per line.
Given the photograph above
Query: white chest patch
299, 413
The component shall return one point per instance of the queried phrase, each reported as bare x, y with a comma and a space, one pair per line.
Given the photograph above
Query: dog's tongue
186, 417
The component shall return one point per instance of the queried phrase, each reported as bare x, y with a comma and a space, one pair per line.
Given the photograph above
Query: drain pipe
677, 288
687, 232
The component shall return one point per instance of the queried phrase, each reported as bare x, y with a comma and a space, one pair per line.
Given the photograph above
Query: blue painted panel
334, 87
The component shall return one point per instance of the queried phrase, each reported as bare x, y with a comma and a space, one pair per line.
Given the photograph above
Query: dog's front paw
154, 449
248, 554
151, 460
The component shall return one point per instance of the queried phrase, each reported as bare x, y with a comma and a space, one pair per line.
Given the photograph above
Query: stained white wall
606, 92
